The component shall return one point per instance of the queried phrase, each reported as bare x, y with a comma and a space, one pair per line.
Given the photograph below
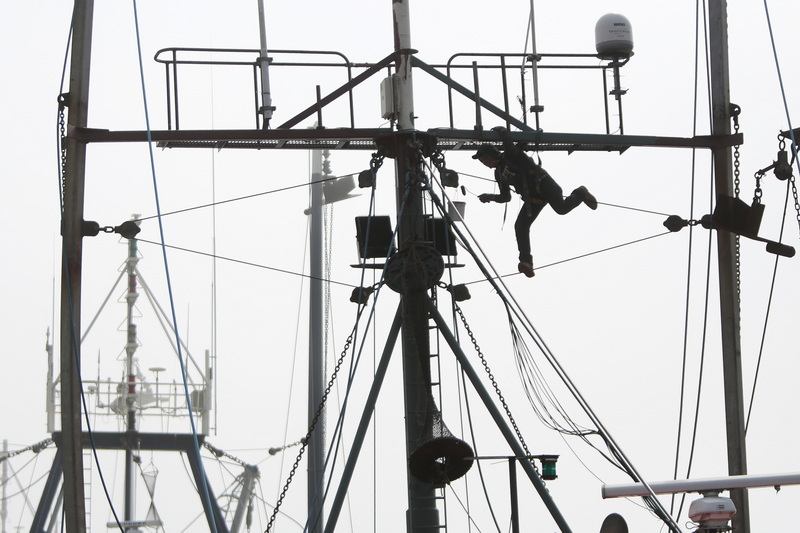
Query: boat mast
130, 397
316, 374
726, 252
422, 514
77, 100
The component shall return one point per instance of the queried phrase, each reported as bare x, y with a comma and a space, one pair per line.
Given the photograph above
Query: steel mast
316, 350
130, 396
77, 101
726, 257
422, 514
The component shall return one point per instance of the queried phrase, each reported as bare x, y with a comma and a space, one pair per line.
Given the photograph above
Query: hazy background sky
620, 322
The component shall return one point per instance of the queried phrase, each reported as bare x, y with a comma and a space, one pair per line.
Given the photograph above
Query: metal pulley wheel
417, 268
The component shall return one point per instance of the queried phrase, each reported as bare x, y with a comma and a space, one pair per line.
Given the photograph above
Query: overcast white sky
615, 320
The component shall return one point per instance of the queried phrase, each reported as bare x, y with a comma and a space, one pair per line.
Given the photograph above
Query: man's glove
484, 198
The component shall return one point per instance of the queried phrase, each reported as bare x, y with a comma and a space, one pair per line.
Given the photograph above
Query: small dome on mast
613, 37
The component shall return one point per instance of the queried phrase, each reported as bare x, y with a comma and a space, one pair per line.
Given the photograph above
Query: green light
548, 466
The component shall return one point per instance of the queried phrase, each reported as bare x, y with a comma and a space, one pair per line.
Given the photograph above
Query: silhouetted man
513, 168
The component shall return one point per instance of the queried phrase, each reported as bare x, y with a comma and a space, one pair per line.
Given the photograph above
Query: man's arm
505, 191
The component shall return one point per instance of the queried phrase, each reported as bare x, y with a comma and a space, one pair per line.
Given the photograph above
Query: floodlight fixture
449, 177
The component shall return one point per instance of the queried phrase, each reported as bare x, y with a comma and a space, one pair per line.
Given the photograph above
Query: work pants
548, 192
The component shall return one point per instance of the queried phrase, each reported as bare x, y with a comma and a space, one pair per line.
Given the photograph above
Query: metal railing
526, 65
174, 57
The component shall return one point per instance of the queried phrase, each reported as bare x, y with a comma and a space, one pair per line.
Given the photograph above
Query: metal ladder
436, 392
88, 462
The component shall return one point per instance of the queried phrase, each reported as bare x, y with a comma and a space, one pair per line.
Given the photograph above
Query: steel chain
494, 382
63, 130
736, 183
736, 163
304, 441
796, 201
781, 147
35, 448
222, 453
758, 194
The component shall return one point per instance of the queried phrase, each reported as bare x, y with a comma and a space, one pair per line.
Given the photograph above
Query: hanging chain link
796, 201
782, 146
736, 163
735, 110
62, 126
758, 192
494, 382
313, 425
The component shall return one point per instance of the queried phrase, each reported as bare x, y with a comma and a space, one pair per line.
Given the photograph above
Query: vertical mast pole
422, 514
130, 397
726, 250
263, 64
51, 391
316, 375
77, 100
535, 68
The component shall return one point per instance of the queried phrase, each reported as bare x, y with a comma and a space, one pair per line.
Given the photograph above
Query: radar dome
613, 37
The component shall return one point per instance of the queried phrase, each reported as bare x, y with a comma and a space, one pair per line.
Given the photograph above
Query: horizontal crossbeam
177, 442
364, 139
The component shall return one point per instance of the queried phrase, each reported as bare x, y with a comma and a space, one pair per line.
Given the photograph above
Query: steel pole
512, 482
130, 396
535, 68
77, 101
249, 477
263, 65
728, 275
422, 514
316, 374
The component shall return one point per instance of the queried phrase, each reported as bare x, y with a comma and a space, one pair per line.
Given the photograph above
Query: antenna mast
263, 63
422, 514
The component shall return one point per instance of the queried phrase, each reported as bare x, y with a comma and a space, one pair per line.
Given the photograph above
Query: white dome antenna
613, 36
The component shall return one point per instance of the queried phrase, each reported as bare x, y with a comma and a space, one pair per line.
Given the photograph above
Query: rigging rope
498, 276
239, 198
204, 491
242, 262
695, 100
